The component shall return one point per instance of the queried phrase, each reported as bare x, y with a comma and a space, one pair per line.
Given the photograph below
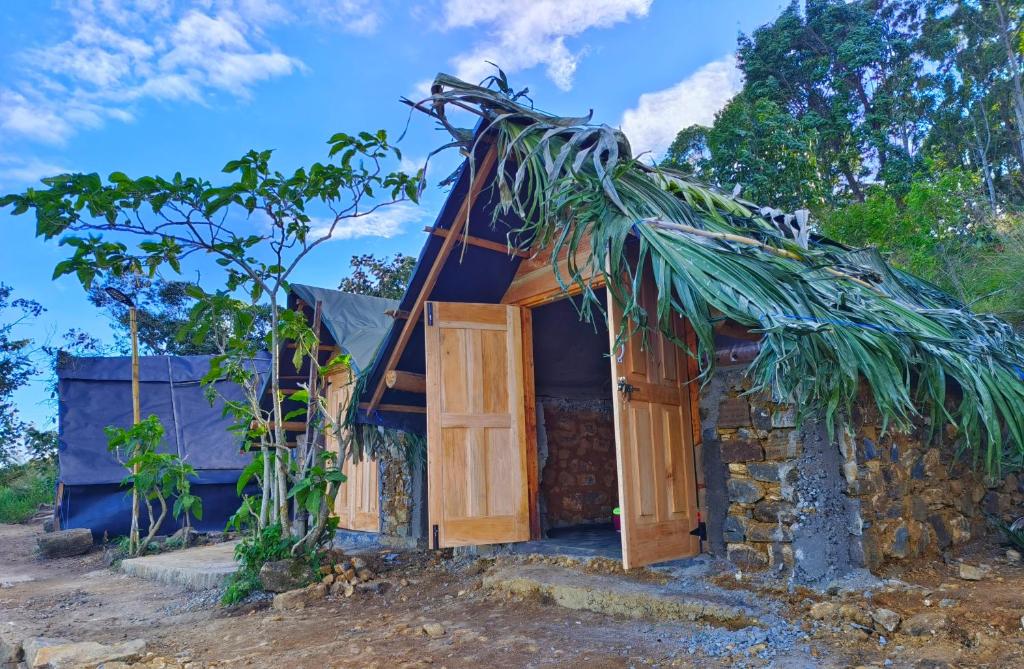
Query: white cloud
659, 116
521, 35
32, 119
26, 171
120, 52
385, 222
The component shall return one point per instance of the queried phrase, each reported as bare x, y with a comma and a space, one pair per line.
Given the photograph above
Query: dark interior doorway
578, 482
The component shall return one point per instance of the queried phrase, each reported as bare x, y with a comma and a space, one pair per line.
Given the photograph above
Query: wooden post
133, 322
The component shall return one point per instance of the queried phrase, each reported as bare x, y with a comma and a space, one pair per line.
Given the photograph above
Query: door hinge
430, 313
701, 531
436, 538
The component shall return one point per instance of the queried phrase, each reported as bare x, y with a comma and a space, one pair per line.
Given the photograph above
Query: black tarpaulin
96, 392
357, 323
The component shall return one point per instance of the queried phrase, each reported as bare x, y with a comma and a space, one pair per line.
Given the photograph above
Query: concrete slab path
195, 568
615, 594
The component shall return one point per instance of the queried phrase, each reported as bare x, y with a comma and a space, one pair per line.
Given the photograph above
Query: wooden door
357, 505
476, 436
654, 423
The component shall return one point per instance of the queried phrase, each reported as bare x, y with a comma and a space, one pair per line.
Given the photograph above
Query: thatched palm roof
830, 316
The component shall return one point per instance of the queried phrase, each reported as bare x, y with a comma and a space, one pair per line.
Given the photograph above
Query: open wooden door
654, 446
476, 437
358, 503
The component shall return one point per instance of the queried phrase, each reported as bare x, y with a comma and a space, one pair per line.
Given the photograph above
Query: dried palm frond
830, 317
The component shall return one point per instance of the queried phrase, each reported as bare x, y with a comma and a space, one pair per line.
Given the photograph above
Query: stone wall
578, 482
916, 498
812, 507
402, 500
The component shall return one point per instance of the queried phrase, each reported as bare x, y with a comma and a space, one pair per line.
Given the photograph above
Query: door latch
626, 388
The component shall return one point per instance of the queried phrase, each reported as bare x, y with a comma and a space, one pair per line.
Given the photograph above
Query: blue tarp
96, 392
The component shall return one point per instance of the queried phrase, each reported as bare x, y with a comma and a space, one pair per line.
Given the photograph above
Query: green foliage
16, 368
140, 227
379, 277
942, 232
164, 315
154, 476
255, 550
757, 145
24, 487
830, 317
1014, 533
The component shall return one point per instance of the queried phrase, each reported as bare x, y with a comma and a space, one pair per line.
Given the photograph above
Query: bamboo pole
133, 323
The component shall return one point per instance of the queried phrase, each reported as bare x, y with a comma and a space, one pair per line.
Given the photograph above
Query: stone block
868, 450
734, 529
926, 623
738, 469
65, 543
746, 557
782, 445
768, 532
949, 528
784, 417
917, 508
87, 654
744, 491
895, 540
733, 412
741, 451
996, 503
770, 472
933, 467
775, 511
299, 599
761, 417
284, 575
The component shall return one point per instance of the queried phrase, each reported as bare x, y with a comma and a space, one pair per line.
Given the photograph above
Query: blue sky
158, 86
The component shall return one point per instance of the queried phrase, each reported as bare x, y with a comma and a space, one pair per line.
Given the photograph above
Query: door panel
655, 445
476, 430
358, 503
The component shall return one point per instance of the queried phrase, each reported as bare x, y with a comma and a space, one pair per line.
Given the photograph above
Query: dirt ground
81, 599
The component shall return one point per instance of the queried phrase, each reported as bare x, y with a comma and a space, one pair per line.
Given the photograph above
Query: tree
379, 277
154, 476
258, 227
16, 367
756, 145
163, 308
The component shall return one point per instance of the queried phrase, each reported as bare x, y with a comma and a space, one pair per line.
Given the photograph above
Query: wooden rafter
398, 408
407, 381
478, 242
435, 271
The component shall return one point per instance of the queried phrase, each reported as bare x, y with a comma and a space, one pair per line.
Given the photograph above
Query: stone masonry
578, 482
812, 507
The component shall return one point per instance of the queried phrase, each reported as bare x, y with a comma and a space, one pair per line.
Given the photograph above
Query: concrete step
194, 568
621, 595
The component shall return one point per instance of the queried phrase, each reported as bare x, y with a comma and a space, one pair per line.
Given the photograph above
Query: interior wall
578, 480
578, 483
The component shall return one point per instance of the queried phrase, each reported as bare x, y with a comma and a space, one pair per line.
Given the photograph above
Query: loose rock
970, 572
284, 575
925, 623
887, 619
65, 543
299, 599
823, 610
434, 630
86, 653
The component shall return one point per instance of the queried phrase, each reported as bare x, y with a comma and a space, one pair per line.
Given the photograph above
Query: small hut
585, 334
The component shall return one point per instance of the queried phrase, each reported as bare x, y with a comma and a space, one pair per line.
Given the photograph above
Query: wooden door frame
530, 406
